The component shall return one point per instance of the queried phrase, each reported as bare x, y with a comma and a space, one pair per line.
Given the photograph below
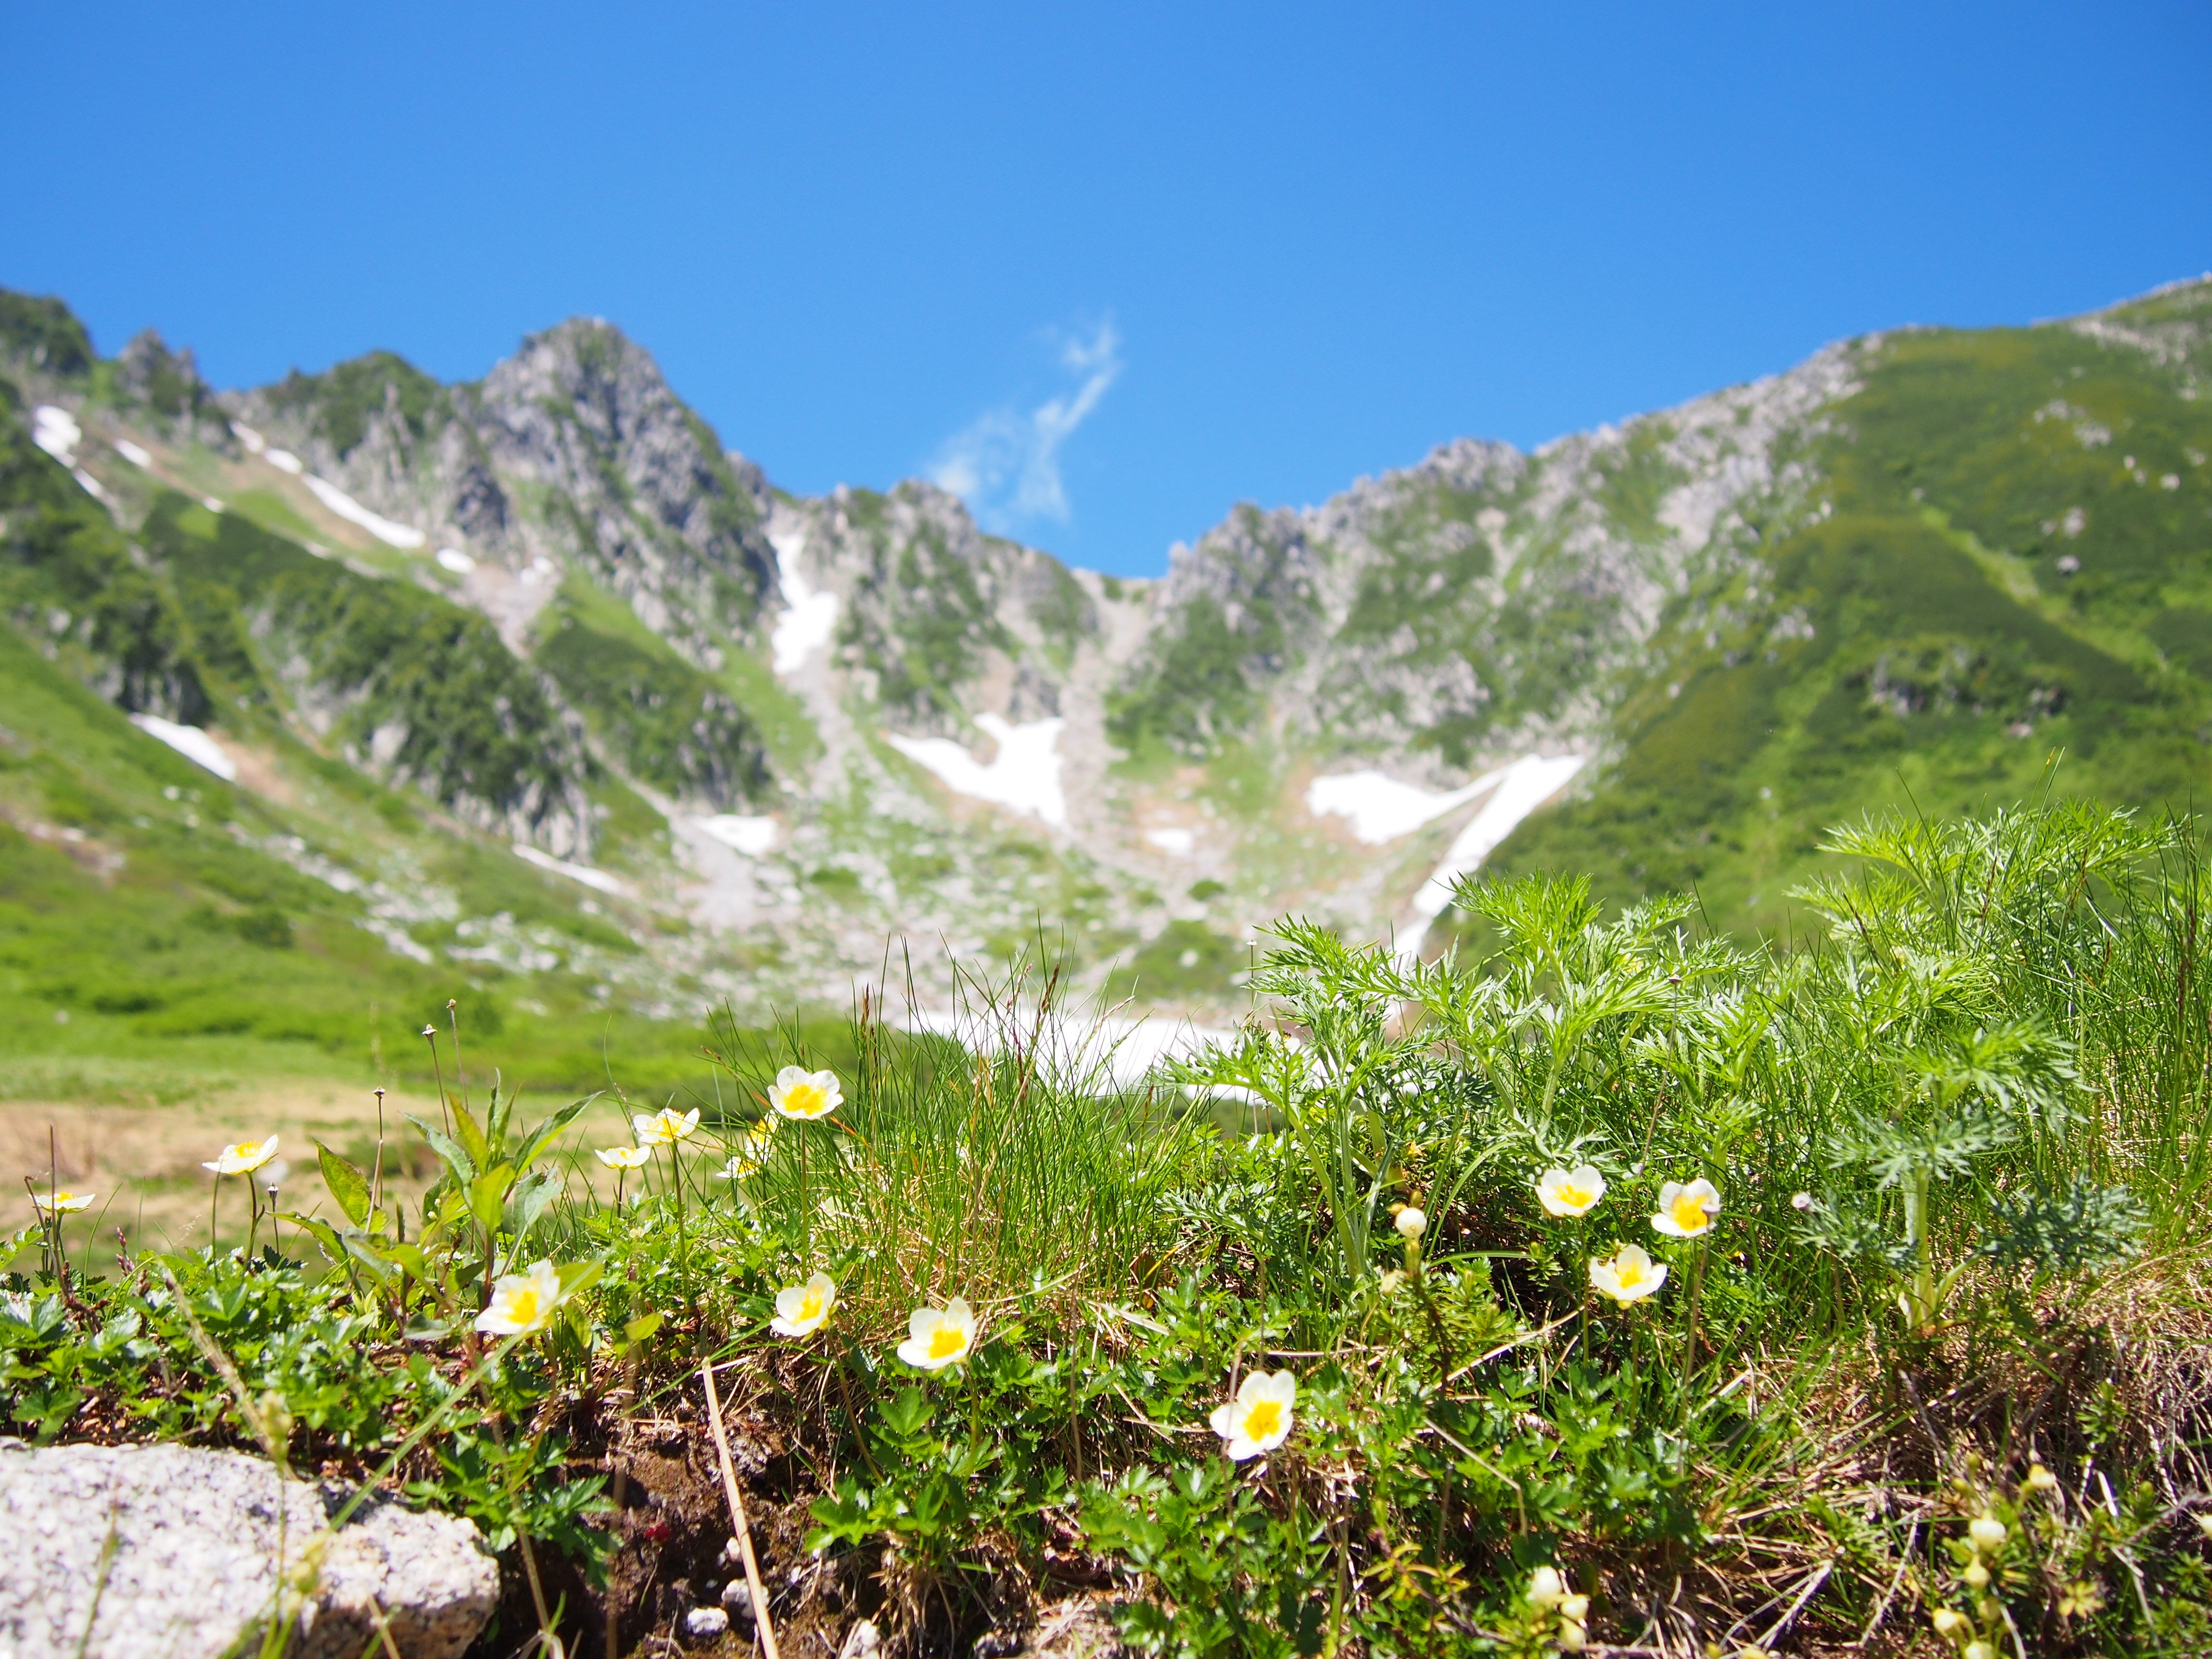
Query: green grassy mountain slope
2012, 556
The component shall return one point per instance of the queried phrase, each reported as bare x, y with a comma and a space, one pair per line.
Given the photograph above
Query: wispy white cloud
1005, 462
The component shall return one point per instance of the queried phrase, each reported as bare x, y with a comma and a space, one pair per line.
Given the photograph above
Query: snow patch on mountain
1024, 775
55, 431
190, 741
1518, 789
755, 837
595, 879
398, 535
805, 626
1381, 808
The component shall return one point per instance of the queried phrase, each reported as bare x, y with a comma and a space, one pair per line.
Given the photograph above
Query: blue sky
1108, 269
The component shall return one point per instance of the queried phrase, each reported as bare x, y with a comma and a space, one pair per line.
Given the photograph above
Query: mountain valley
361, 690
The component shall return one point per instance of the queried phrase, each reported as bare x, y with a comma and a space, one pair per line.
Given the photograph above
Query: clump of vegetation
1615, 1287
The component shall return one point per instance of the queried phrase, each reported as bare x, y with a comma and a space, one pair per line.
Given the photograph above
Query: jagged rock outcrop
938, 621
572, 450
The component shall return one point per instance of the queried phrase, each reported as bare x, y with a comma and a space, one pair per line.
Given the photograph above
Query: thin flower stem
438, 1070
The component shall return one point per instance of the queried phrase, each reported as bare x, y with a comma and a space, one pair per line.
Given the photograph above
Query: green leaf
907, 1414
457, 1159
533, 1193
577, 1277
324, 1234
542, 1136
472, 1138
362, 1248
488, 1194
410, 1257
495, 1117
643, 1327
347, 1184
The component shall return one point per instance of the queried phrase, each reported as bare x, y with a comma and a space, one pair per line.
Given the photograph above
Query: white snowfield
285, 461
595, 879
1024, 775
1078, 1048
754, 837
805, 627
1521, 788
398, 535
190, 741
456, 561
132, 454
1381, 808
1181, 842
254, 442
55, 431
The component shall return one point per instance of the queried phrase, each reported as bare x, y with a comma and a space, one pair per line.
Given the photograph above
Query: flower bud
2040, 1479
1988, 1533
1802, 1201
1412, 1224
1546, 1587
1981, 1651
1947, 1622
1976, 1575
1574, 1609
1571, 1639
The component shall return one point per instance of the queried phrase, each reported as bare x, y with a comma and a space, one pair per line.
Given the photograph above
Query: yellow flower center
1571, 1196
805, 1099
1630, 1274
810, 1306
1262, 1418
522, 1306
1689, 1214
947, 1341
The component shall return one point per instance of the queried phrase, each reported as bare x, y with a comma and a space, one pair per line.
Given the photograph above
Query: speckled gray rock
198, 1538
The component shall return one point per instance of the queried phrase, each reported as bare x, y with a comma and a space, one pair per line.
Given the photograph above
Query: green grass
1941, 623
668, 723
1958, 1144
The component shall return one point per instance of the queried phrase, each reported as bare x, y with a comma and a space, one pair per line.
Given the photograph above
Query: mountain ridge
551, 604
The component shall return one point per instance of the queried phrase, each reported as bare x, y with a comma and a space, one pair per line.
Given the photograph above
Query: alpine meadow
1603, 1049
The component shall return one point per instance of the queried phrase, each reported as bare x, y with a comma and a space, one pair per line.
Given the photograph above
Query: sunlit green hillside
2012, 557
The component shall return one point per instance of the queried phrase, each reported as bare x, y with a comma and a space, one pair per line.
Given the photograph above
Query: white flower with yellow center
522, 1303
1570, 1192
938, 1337
1546, 1587
243, 1157
61, 1201
1687, 1212
751, 1154
804, 1095
1259, 1418
624, 1158
1627, 1275
1412, 1224
800, 1308
665, 1127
